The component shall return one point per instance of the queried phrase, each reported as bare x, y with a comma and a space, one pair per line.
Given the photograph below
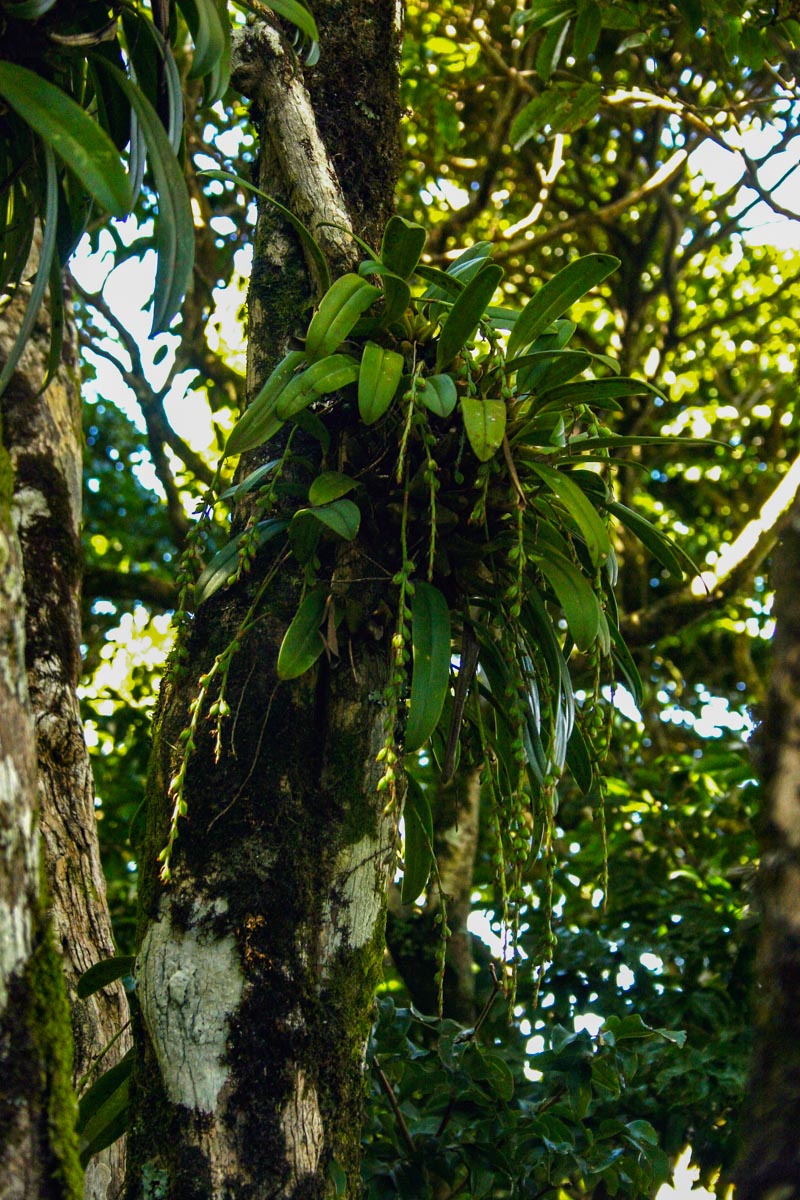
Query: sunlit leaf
581, 509
464, 317
557, 295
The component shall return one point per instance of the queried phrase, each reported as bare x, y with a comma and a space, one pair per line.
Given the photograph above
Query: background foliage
661, 134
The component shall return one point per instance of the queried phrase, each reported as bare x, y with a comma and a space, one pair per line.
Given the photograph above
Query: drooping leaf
108, 1123
576, 597
668, 553
430, 677
107, 971
298, 14
418, 857
205, 25
303, 643
581, 509
342, 517
485, 423
439, 394
307, 239
77, 139
557, 295
174, 225
465, 315
579, 760
103, 1087
47, 256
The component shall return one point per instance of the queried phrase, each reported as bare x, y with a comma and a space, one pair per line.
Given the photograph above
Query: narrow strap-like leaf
465, 315
418, 857
47, 255
557, 295
307, 239
64, 126
430, 677
174, 226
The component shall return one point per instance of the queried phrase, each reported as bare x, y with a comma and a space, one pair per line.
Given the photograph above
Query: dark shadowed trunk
769, 1167
258, 961
42, 433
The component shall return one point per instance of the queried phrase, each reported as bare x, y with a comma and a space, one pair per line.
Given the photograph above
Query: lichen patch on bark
190, 985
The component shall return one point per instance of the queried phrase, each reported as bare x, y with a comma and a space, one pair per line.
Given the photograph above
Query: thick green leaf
174, 225
298, 14
588, 25
397, 295
224, 563
418, 857
258, 423
77, 139
108, 1123
579, 760
439, 394
430, 676
330, 485
551, 48
485, 423
379, 374
557, 295
465, 315
345, 300
581, 509
342, 517
320, 379
622, 656
307, 239
103, 1087
107, 971
302, 643
402, 245
575, 595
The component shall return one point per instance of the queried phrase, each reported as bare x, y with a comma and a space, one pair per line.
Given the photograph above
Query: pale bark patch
30, 505
190, 984
303, 1130
351, 914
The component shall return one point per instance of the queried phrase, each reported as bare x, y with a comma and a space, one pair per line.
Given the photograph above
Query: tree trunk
258, 961
38, 1151
769, 1166
43, 435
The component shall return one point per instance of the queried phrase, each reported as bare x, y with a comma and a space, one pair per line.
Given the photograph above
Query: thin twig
390, 1096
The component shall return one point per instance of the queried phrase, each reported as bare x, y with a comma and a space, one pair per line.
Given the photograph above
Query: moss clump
49, 1030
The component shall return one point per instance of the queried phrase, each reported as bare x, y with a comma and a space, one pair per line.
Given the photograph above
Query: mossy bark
769, 1165
42, 434
259, 960
38, 1147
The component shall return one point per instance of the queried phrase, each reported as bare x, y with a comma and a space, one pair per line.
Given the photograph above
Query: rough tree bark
42, 434
258, 961
38, 1151
769, 1165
